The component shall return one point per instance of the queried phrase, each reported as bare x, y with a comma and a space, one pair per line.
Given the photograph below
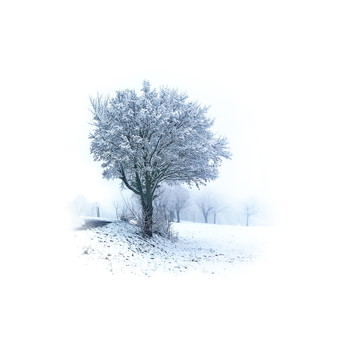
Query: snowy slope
217, 287
202, 248
222, 287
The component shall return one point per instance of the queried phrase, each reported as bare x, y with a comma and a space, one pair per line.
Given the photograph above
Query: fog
275, 75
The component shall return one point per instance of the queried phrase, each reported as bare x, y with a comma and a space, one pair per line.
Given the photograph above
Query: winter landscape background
276, 77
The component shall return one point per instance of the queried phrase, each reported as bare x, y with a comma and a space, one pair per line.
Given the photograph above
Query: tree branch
126, 183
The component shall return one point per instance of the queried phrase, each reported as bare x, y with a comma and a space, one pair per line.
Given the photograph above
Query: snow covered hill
202, 248
216, 287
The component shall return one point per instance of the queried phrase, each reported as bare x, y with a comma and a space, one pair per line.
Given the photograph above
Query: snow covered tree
154, 137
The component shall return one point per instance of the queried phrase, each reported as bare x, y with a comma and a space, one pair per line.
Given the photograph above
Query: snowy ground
217, 287
222, 287
201, 248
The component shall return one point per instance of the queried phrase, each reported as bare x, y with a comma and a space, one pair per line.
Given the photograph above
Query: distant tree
180, 197
217, 208
116, 209
174, 198
153, 138
98, 210
205, 209
250, 209
208, 203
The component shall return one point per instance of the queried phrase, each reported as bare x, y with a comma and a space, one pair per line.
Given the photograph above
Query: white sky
275, 73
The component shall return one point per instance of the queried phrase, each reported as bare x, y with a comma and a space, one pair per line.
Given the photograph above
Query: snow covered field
200, 248
221, 287
217, 287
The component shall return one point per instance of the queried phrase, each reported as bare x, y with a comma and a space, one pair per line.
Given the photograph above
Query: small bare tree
179, 196
217, 209
163, 215
209, 203
116, 208
130, 209
98, 213
205, 209
204, 203
250, 209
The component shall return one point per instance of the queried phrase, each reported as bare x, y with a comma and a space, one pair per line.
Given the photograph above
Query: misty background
276, 76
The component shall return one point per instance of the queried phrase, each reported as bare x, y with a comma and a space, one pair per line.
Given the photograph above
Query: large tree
153, 137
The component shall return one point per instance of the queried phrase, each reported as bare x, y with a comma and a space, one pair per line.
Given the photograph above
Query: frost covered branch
154, 137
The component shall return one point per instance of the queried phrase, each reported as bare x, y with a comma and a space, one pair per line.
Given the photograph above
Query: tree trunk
178, 215
147, 228
205, 214
147, 207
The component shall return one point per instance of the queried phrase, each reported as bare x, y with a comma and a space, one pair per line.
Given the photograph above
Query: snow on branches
153, 137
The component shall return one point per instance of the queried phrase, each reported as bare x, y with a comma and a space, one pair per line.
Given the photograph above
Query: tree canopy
153, 137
